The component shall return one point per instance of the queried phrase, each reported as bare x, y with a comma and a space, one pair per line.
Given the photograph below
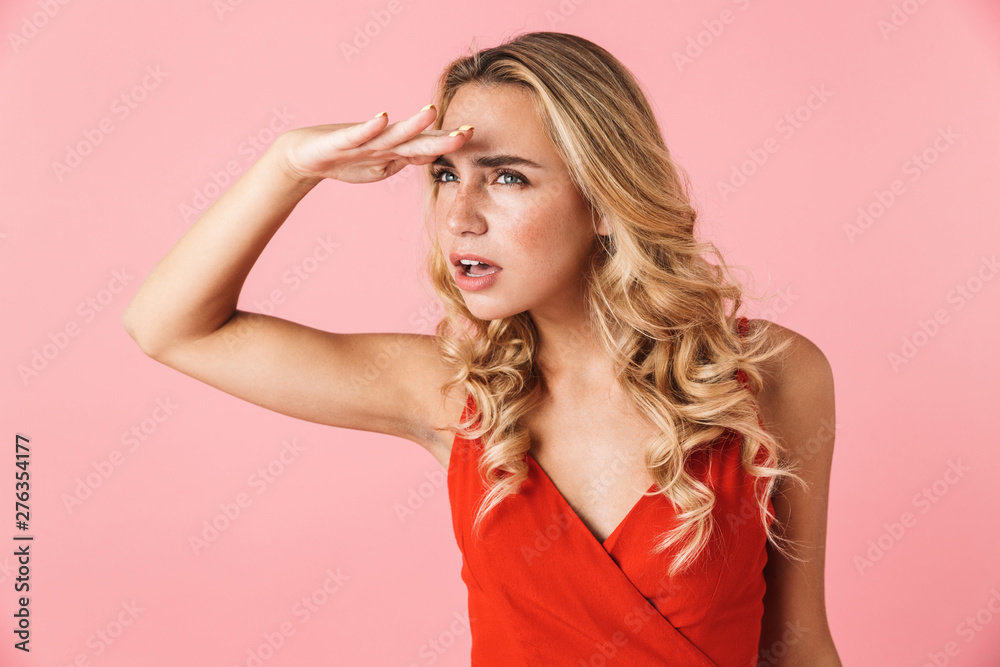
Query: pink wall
163, 98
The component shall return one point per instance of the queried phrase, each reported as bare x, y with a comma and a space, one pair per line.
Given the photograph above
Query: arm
797, 407
185, 316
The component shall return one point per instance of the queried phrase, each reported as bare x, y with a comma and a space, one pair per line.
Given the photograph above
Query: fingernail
466, 127
455, 133
384, 113
429, 106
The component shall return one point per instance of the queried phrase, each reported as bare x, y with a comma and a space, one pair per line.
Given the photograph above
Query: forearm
194, 289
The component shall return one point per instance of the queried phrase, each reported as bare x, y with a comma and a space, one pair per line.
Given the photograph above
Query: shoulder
799, 377
796, 405
796, 402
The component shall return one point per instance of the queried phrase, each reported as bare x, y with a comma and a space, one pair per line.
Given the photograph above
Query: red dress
544, 591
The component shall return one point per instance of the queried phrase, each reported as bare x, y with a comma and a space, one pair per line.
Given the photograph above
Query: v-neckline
545, 476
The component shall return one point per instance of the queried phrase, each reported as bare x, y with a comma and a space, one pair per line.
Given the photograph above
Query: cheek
546, 253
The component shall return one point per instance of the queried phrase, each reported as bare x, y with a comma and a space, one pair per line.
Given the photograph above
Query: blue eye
439, 174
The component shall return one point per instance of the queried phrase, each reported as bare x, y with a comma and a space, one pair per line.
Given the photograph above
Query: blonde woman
637, 475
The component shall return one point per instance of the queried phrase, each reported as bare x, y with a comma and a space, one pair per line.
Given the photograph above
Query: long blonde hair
653, 300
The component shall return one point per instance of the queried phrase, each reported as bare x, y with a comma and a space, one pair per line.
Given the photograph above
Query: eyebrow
491, 161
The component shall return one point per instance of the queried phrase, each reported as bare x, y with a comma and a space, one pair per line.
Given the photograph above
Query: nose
464, 210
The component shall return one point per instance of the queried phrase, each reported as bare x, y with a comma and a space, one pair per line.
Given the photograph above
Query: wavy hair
665, 314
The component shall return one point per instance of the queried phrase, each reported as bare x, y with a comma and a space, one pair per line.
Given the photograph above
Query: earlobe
602, 226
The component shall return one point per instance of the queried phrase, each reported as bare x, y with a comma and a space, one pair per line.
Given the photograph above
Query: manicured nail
384, 113
429, 106
455, 133
463, 128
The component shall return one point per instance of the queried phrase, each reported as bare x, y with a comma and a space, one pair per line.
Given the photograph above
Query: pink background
334, 505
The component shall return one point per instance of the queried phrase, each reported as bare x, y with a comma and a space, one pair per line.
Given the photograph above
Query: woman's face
507, 197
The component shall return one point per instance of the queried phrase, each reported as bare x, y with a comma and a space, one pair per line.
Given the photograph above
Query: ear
602, 226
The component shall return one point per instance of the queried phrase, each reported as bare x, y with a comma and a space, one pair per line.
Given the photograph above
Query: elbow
135, 332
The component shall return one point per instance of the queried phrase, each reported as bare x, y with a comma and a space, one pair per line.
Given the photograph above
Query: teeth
469, 262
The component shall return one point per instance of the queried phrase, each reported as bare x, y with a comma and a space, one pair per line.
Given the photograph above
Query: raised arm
185, 316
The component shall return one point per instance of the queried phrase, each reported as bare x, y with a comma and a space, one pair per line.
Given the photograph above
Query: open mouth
473, 268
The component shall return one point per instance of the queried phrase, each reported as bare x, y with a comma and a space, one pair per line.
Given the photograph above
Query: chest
592, 452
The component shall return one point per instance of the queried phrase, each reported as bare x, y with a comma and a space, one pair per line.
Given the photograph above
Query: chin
485, 310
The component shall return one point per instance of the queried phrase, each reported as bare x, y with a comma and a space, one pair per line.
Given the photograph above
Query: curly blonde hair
653, 300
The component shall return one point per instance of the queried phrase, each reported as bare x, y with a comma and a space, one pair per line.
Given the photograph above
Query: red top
543, 590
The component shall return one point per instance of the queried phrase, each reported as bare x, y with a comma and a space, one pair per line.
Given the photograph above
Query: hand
364, 152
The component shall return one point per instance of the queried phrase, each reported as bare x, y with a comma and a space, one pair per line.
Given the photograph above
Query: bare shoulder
796, 401
801, 364
797, 407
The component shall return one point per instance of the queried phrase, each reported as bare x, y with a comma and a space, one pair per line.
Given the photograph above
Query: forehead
504, 117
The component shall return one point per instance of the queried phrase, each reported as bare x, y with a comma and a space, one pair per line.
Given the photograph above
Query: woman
588, 353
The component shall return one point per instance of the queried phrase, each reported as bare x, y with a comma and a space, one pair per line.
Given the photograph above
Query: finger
425, 150
355, 135
428, 147
405, 130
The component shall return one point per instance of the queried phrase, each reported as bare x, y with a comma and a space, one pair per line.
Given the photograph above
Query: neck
569, 352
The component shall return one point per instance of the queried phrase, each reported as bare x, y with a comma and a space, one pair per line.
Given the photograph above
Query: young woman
617, 439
